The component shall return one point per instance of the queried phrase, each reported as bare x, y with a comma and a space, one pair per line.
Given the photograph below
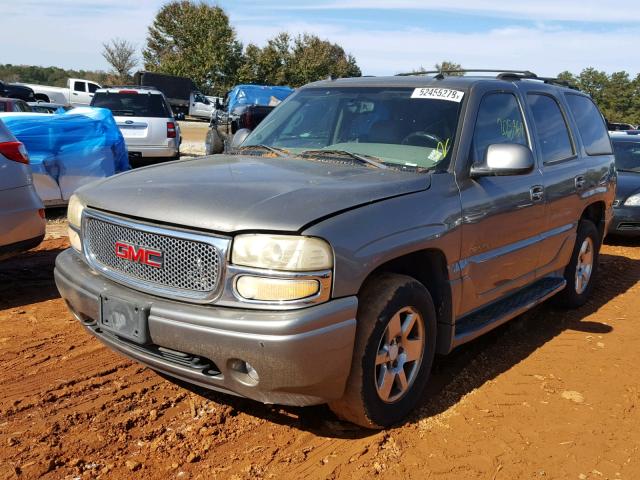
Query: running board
472, 326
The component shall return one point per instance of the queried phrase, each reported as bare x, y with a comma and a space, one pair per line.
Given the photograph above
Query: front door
502, 216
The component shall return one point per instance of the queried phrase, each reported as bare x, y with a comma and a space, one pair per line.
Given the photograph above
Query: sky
385, 36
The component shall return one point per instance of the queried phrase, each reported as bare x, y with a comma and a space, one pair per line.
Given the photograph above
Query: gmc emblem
134, 253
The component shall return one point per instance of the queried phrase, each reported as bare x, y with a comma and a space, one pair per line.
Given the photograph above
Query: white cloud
546, 51
561, 10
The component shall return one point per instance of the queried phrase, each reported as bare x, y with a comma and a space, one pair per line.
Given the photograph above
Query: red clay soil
553, 394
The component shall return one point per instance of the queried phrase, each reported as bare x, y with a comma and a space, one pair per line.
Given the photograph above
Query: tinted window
555, 142
132, 104
92, 87
590, 125
78, 86
3, 107
627, 155
499, 121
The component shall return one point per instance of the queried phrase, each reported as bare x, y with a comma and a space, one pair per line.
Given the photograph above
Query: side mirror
504, 159
239, 137
218, 104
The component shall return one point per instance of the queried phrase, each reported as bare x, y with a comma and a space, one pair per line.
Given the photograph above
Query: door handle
580, 182
537, 193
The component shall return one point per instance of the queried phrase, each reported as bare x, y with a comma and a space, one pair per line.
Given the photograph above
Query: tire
383, 301
213, 143
580, 281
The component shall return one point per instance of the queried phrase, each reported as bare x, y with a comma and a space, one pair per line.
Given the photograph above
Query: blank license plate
125, 319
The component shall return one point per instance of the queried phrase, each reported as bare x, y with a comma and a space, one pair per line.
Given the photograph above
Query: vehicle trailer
181, 93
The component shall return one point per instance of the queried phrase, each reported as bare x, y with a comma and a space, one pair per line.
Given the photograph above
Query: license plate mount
124, 318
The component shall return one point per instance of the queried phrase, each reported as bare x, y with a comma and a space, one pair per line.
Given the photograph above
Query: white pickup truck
77, 93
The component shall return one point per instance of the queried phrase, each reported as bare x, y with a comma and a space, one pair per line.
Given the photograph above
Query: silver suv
366, 225
146, 121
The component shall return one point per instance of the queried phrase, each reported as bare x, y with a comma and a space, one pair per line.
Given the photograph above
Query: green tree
194, 40
447, 65
294, 61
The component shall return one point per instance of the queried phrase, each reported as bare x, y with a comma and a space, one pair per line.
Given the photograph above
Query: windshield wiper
344, 153
281, 152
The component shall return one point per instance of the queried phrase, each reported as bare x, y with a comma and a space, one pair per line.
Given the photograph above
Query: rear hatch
142, 117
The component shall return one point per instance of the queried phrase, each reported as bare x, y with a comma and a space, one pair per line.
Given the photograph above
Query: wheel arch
42, 97
429, 267
595, 212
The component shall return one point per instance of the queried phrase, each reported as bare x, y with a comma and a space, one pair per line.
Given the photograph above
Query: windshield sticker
435, 155
438, 94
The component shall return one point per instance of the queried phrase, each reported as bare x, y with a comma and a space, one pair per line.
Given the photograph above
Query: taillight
171, 130
41, 213
14, 151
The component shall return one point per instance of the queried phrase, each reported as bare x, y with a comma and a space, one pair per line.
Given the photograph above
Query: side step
492, 316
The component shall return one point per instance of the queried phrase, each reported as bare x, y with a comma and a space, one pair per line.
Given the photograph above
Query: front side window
93, 87
590, 124
392, 124
499, 121
555, 142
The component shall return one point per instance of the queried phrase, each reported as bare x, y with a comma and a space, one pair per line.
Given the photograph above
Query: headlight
282, 252
74, 216
633, 201
74, 211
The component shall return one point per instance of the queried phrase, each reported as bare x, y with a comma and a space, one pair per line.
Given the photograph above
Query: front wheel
213, 143
582, 269
393, 353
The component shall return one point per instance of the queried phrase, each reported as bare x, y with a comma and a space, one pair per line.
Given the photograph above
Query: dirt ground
552, 394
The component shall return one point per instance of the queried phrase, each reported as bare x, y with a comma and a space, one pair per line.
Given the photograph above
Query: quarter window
590, 125
555, 142
499, 121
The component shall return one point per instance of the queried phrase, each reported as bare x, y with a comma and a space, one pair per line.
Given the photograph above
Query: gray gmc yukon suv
364, 226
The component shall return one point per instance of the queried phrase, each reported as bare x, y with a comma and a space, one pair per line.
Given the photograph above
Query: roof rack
502, 74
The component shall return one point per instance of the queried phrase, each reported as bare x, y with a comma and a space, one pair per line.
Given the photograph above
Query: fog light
275, 289
74, 240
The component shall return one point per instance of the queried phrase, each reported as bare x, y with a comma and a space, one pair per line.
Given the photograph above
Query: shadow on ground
469, 366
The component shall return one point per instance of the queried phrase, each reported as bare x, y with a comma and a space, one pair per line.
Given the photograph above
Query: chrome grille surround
193, 263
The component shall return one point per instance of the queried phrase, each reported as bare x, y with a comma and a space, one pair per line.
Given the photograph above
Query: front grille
188, 268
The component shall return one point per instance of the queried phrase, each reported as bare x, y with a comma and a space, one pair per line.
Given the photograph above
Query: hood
628, 184
230, 193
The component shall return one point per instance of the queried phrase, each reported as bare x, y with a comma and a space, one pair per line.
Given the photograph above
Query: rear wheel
582, 269
393, 354
213, 143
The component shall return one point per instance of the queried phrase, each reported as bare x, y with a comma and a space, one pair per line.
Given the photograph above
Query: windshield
132, 104
394, 125
627, 155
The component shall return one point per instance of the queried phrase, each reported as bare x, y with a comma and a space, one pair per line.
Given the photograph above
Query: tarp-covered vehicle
70, 149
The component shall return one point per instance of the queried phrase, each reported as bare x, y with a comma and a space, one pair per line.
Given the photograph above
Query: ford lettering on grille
163, 262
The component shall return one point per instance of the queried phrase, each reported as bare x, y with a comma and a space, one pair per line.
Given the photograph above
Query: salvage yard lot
553, 394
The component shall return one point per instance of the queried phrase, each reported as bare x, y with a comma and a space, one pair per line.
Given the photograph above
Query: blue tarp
71, 148
256, 95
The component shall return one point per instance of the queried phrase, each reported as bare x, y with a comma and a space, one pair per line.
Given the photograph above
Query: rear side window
132, 104
555, 142
590, 125
499, 121
78, 86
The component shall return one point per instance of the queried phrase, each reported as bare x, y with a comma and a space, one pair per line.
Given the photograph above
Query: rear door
564, 178
501, 215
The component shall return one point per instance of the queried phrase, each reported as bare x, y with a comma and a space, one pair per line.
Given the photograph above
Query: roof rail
441, 73
502, 74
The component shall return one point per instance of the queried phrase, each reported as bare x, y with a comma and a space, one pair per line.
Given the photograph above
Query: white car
146, 121
77, 93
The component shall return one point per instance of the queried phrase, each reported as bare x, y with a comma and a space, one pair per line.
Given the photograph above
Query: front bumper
626, 221
302, 357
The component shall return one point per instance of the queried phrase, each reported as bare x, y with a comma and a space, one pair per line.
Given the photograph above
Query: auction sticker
438, 94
